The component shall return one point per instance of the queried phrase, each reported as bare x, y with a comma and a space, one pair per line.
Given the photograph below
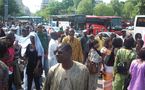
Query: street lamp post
5, 9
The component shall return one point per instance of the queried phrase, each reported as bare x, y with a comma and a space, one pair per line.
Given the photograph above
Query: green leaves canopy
127, 9
103, 10
85, 7
13, 8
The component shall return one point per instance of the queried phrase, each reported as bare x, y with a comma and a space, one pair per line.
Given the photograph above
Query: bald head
64, 53
65, 47
71, 32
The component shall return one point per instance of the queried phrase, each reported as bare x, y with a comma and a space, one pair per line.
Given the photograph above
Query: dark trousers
30, 78
11, 81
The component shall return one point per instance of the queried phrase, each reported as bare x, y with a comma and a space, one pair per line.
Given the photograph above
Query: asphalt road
100, 85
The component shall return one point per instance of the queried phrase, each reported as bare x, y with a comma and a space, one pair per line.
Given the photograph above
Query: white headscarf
38, 44
25, 41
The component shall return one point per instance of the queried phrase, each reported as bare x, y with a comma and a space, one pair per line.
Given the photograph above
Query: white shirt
53, 44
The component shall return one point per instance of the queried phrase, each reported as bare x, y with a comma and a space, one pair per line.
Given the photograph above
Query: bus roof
102, 17
28, 17
140, 15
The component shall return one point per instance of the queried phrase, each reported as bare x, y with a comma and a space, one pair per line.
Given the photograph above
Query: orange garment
77, 53
107, 82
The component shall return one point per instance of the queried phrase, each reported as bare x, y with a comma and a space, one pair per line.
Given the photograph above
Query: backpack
122, 66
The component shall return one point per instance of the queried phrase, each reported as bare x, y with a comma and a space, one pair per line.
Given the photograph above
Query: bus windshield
116, 21
95, 21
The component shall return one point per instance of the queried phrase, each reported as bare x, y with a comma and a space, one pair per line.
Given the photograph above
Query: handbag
109, 59
92, 67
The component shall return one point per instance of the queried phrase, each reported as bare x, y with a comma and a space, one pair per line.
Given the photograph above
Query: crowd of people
68, 62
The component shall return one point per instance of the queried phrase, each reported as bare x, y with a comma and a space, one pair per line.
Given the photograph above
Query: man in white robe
53, 44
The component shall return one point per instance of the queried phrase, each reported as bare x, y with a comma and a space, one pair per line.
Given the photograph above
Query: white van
139, 25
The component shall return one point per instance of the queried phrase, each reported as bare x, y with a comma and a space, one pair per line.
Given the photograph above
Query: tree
13, 8
43, 13
128, 9
76, 3
141, 6
53, 8
85, 7
117, 7
67, 3
56, 8
1, 7
102, 9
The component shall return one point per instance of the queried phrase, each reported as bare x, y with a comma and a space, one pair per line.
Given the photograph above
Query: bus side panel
139, 26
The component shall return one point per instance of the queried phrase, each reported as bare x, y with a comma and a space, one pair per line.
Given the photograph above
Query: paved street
100, 86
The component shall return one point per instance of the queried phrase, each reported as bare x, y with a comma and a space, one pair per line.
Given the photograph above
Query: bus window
140, 22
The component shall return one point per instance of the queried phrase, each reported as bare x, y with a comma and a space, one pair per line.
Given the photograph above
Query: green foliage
85, 7
44, 13
66, 4
13, 8
76, 3
1, 8
116, 5
127, 9
103, 9
141, 6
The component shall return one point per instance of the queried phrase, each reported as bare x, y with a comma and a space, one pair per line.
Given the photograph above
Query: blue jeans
45, 65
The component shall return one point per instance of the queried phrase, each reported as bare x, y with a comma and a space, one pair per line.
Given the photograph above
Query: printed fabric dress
137, 71
93, 78
119, 79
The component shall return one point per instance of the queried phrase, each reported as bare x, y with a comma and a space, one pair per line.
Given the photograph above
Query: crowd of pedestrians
68, 62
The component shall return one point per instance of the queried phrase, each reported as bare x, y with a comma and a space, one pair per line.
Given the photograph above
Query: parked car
130, 28
108, 34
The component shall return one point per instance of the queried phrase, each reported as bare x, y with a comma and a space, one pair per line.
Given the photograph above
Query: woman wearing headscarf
107, 70
122, 63
137, 71
34, 54
94, 64
108, 74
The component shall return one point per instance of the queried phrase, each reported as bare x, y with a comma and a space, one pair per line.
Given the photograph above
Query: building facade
44, 3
